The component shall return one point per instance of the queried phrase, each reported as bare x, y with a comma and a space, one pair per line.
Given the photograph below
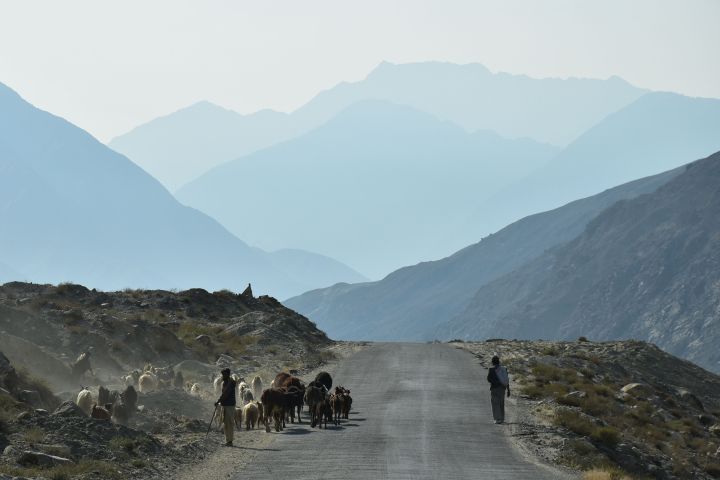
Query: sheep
324, 379
337, 401
251, 414
147, 382
246, 396
217, 385
314, 395
261, 413
322, 411
131, 378
241, 387
238, 417
103, 395
129, 397
257, 386
195, 390
296, 391
274, 403
125, 407
81, 365
100, 413
85, 401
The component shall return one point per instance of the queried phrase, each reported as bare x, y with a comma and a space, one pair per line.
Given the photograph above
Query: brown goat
100, 413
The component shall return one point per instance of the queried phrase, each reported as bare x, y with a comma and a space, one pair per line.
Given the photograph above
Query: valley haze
294, 239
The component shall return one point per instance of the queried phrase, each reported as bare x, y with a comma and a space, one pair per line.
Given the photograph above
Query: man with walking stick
227, 403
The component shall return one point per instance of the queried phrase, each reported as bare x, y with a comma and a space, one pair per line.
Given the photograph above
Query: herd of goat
280, 403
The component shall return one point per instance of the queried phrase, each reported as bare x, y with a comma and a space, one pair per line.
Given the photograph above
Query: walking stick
211, 421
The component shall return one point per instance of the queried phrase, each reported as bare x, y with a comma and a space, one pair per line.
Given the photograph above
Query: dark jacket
227, 398
493, 379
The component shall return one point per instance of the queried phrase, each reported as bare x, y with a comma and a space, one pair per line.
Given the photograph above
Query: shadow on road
256, 449
296, 431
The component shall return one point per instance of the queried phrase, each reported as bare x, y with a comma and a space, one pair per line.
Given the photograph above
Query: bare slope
409, 304
646, 268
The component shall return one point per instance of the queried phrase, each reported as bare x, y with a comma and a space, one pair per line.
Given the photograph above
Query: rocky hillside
45, 327
408, 304
646, 268
625, 408
189, 336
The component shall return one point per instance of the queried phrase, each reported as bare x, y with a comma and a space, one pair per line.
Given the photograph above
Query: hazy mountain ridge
645, 268
180, 146
72, 209
657, 132
475, 98
408, 303
378, 186
183, 145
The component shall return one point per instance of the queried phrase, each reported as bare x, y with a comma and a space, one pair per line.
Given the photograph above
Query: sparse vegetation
605, 474
34, 435
580, 387
66, 472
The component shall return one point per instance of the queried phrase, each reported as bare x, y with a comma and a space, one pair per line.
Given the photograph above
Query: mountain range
377, 187
657, 132
72, 209
410, 303
180, 146
382, 185
645, 268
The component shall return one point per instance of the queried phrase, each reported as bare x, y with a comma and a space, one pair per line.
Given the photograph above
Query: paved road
420, 411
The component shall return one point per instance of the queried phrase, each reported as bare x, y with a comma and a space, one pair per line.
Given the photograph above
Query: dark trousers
497, 400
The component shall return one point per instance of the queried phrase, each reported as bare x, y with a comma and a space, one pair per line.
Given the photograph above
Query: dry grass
34, 435
605, 474
66, 472
221, 342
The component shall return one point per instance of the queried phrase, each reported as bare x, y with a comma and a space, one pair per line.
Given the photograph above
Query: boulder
705, 419
688, 397
31, 397
715, 430
203, 340
69, 409
576, 394
8, 375
224, 360
637, 390
23, 416
39, 459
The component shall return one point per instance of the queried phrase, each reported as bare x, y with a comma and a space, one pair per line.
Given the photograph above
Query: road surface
420, 411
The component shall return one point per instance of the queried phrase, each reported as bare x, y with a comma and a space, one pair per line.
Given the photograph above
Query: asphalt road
419, 411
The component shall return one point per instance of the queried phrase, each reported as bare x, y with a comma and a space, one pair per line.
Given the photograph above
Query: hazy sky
111, 65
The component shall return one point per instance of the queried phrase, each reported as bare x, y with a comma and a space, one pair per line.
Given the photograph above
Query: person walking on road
499, 384
227, 403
